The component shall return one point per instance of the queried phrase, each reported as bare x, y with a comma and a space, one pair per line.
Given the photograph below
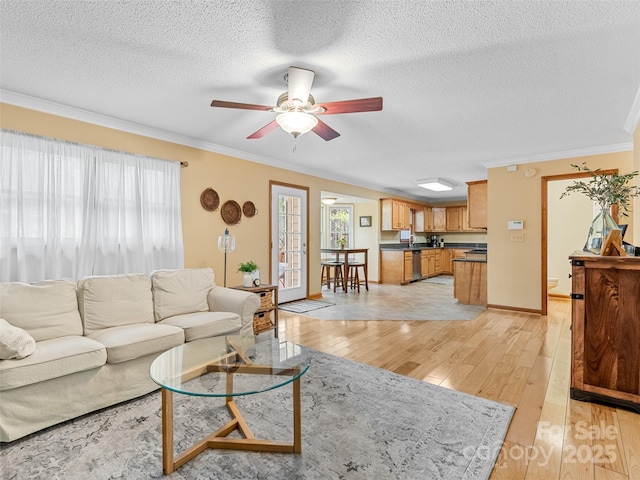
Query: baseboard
515, 309
315, 296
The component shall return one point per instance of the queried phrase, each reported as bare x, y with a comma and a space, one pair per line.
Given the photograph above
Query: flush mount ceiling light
329, 200
296, 123
436, 184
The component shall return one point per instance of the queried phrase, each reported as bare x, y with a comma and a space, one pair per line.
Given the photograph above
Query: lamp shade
226, 242
296, 123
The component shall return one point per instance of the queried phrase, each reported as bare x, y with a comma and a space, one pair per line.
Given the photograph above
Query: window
70, 210
338, 220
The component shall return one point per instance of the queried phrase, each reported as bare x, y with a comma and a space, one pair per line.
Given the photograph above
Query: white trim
578, 152
634, 114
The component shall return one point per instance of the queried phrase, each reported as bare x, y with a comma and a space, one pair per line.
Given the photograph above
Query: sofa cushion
176, 292
45, 310
14, 342
134, 341
52, 358
114, 300
205, 324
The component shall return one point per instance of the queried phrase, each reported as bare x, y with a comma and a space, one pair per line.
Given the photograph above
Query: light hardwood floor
515, 358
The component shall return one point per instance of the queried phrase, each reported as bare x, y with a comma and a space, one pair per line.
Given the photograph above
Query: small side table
266, 317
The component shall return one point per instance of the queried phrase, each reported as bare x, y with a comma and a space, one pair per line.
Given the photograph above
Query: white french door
289, 241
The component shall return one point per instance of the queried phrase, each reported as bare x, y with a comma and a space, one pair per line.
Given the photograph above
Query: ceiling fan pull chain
295, 144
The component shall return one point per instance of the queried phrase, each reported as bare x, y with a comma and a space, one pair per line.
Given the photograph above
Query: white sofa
95, 340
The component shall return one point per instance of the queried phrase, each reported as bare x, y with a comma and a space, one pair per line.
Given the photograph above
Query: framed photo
365, 221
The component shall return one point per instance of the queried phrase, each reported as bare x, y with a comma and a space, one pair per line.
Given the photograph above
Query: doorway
289, 259
545, 227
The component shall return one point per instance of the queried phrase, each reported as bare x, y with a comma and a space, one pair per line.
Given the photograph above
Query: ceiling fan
297, 109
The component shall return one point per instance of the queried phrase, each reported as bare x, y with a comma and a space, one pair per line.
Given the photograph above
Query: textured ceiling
466, 85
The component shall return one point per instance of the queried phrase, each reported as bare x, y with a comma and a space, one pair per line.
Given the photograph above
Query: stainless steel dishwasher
416, 273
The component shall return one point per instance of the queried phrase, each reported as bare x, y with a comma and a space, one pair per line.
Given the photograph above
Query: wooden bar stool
353, 278
338, 276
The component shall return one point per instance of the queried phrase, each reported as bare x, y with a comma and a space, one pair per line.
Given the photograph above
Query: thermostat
515, 225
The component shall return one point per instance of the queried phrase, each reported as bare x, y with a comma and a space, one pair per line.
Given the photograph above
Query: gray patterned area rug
358, 422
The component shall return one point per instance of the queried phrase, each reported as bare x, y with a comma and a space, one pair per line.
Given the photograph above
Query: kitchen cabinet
448, 255
408, 266
418, 220
424, 263
428, 262
605, 329
394, 214
428, 219
454, 219
439, 219
477, 204
396, 266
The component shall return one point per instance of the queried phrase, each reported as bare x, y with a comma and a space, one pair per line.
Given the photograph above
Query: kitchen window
337, 223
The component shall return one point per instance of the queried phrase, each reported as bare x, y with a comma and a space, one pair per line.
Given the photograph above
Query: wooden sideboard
605, 329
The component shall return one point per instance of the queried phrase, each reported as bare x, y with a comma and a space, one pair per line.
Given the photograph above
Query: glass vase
600, 228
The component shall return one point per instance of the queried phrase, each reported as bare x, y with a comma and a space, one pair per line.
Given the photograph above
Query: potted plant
342, 242
249, 269
605, 190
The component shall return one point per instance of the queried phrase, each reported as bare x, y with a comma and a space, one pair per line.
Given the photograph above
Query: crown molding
634, 115
578, 152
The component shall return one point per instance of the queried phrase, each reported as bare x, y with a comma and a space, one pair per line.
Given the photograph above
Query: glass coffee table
228, 367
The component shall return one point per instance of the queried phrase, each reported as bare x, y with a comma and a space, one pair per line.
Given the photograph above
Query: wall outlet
517, 237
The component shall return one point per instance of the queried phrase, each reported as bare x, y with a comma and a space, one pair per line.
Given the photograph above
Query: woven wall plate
209, 200
249, 209
231, 212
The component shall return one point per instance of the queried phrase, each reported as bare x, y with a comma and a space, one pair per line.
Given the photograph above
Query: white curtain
69, 210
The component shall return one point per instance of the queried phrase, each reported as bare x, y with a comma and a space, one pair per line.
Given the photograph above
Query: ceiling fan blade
299, 82
351, 106
324, 131
243, 106
269, 127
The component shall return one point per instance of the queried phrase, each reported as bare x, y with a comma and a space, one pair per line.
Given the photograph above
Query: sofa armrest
245, 304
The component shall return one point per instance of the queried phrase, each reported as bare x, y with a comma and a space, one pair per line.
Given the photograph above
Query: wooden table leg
297, 419
167, 431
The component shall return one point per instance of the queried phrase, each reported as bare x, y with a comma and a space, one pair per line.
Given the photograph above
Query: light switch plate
517, 237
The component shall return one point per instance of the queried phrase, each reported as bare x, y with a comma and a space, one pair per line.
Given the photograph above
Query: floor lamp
226, 243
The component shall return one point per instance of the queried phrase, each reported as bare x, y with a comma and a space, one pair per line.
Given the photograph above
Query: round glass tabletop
204, 367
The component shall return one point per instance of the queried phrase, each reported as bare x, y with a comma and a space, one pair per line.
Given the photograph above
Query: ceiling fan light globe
296, 123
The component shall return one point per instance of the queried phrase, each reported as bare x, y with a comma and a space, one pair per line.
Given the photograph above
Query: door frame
273, 183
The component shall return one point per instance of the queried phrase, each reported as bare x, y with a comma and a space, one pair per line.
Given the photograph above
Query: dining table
345, 253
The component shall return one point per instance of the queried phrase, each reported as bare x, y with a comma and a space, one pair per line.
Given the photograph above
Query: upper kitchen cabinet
423, 219
477, 204
394, 214
439, 219
455, 219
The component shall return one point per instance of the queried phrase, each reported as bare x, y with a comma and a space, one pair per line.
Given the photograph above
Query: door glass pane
290, 239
